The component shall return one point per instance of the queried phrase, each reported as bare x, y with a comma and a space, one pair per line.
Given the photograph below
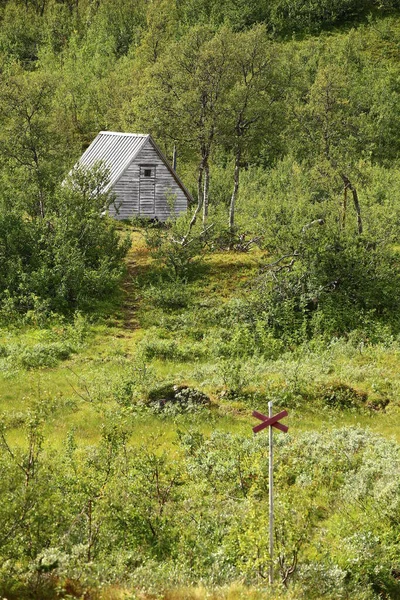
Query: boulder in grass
181, 396
161, 394
186, 395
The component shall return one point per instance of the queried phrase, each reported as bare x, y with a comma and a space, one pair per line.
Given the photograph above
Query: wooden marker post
271, 422
271, 498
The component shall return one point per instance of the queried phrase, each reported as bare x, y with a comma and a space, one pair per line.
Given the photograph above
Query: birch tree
183, 96
31, 151
329, 130
248, 108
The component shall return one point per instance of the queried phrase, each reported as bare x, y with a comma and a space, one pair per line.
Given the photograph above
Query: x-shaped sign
270, 421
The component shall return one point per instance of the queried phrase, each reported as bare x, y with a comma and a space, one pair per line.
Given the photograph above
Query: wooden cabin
144, 183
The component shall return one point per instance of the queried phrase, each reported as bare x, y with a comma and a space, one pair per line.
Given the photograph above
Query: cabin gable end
148, 187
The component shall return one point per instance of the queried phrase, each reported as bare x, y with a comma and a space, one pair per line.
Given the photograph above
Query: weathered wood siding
134, 192
147, 190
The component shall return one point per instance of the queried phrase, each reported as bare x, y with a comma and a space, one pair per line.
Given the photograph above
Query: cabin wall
127, 189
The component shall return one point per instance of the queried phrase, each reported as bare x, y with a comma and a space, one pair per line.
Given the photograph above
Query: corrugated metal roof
115, 149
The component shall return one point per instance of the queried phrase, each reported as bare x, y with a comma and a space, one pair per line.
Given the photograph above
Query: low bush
31, 347
42, 355
153, 512
66, 261
167, 349
168, 295
331, 285
341, 396
177, 249
234, 376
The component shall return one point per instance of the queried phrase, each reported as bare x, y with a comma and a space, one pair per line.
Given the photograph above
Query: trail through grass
176, 346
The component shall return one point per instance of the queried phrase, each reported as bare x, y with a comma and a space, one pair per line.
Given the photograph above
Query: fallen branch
243, 246
80, 379
270, 266
315, 222
185, 241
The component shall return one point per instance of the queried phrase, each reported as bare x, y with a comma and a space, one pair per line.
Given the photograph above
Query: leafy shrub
42, 355
67, 260
53, 343
123, 391
322, 581
177, 252
245, 340
340, 395
234, 376
334, 283
166, 349
168, 513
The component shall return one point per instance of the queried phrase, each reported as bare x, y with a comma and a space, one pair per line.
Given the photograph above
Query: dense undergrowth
114, 512
129, 468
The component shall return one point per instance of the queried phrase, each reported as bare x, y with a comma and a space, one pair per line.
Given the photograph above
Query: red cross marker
270, 421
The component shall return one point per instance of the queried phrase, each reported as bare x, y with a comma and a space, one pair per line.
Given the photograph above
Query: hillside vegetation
132, 355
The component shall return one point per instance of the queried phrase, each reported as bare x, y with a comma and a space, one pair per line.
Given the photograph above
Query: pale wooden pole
270, 422
271, 498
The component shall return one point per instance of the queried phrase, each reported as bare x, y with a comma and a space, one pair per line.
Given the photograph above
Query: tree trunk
39, 183
174, 155
90, 539
353, 190
205, 192
234, 192
344, 207
203, 166
200, 192
41, 205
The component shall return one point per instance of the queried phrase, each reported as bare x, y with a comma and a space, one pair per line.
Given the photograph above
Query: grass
176, 347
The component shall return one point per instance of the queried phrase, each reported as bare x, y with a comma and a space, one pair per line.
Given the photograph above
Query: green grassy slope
77, 369
103, 374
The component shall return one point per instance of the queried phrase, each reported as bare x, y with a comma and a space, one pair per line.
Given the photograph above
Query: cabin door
147, 190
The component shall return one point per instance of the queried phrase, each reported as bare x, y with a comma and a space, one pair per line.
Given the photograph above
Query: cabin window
147, 172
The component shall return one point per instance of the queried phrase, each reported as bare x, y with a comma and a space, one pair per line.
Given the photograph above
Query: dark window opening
147, 172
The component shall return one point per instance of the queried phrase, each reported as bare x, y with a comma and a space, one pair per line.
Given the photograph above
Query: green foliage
179, 251
331, 284
121, 24
233, 376
342, 396
282, 16
20, 34
58, 341
298, 16
154, 347
67, 260
311, 125
109, 508
170, 295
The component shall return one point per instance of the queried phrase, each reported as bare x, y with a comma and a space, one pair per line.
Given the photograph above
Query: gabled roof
117, 150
